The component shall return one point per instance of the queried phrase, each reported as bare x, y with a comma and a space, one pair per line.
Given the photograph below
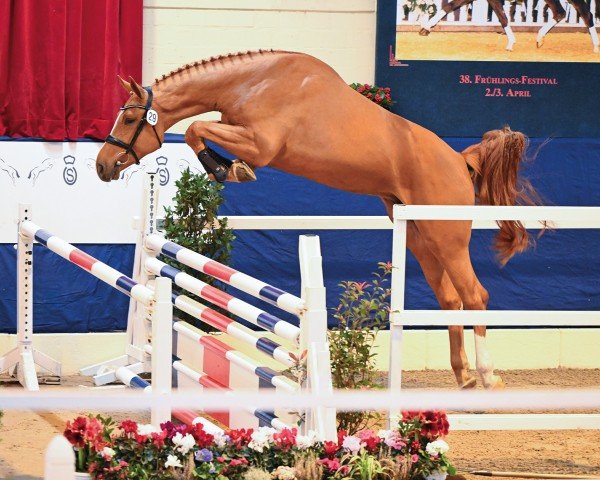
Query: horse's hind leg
449, 241
445, 294
448, 298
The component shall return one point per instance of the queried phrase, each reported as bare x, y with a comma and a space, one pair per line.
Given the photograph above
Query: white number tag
152, 117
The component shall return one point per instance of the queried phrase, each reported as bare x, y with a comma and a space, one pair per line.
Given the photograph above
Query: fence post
60, 460
397, 304
313, 335
162, 348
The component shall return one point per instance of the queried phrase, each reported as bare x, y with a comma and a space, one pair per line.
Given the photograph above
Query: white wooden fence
560, 217
525, 13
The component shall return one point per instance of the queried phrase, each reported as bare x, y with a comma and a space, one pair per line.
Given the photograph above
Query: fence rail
525, 13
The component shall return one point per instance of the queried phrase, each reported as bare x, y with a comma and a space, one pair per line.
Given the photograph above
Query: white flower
436, 448
183, 442
284, 473
107, 453
261, 438
147, 429
383, 434
306, 441
173, 461
220, 439
352, 444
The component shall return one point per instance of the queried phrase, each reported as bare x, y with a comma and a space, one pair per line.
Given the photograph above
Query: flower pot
437, 475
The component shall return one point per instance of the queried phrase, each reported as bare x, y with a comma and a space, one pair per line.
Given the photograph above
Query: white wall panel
60, 181
341, 33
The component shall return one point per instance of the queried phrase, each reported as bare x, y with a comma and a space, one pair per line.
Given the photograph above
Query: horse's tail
495, 166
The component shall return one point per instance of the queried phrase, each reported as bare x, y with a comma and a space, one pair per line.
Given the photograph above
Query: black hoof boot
215, 164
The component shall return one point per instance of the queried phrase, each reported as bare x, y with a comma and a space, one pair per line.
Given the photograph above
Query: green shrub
192, 222
362, 312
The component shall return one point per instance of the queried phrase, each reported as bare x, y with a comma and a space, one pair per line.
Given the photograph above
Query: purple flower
204, 455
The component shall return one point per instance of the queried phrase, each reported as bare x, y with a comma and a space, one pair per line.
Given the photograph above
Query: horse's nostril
99, 168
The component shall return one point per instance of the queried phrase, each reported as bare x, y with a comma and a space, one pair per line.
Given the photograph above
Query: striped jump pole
157, 301
224, 300
100, 270
190, 377
132, 380
250, 285
231, 327
272, 377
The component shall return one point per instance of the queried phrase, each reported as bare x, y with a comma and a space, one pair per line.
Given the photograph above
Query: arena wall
341, 34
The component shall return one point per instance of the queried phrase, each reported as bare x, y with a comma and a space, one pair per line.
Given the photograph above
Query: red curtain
59, 61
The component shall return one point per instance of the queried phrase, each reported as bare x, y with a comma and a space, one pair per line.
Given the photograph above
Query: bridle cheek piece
129, 146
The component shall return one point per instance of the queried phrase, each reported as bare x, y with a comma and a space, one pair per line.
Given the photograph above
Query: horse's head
137, 132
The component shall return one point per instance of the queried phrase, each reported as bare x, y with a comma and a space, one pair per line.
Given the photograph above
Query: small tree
192, 222
362, 312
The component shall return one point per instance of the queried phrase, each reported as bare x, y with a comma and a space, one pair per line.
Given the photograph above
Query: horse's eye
129, 121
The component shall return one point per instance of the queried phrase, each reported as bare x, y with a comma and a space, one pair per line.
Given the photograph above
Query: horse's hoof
470, 383
596, 49
240, 172
496, 384
509, 47
539, 43
424, 32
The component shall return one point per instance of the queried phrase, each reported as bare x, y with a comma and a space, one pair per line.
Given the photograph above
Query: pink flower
414, 458
370, 439
332, 464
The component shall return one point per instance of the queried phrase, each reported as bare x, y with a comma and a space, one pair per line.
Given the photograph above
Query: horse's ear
125, 84
135, 88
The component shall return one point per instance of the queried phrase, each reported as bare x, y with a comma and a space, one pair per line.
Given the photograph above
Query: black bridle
129, 146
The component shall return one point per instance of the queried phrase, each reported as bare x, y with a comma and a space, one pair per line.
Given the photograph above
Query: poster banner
462, 67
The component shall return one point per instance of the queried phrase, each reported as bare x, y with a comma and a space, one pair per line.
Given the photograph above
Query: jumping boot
224, 169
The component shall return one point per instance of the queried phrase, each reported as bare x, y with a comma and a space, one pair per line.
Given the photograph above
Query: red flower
128, 426
369, 95
171, 429
341, 434
332, 464
360, 89
75, 432
330, 448
370, 439
241, 437
434, 424
158, 439
203, 438
85, 430
285, 439
410, 415
238, 461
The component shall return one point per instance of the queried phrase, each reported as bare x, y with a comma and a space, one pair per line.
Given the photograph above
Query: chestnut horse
295, 113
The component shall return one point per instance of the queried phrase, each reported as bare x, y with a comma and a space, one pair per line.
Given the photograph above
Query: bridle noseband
129, 146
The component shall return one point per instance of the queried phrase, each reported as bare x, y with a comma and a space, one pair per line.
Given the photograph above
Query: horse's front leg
233, 138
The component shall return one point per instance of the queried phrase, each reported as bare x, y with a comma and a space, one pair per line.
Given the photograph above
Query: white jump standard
157, 302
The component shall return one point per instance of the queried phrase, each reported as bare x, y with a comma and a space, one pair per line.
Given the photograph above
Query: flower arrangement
109, 451
381, 96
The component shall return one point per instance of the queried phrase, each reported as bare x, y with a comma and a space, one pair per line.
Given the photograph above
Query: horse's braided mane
214, 60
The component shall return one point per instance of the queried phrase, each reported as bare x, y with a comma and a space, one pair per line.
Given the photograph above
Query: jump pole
157, 302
